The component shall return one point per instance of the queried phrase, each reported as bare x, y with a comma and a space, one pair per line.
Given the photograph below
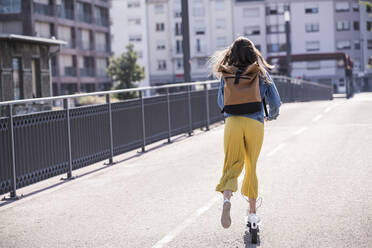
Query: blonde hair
241, 53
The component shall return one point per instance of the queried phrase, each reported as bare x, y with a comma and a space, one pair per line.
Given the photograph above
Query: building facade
320, 26
130, 26
84, 25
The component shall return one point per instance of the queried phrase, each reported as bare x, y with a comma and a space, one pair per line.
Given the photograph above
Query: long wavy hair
241, 53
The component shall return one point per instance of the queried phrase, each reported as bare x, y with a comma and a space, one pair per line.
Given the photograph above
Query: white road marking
276, 149
317, 118
170, 236
301, 130
327, 109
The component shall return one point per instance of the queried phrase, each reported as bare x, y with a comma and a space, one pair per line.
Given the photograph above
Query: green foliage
125, 71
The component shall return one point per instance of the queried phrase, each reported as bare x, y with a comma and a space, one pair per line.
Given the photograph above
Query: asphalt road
315, 178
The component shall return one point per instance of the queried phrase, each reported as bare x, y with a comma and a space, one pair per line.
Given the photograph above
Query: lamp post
186, 41
287, 19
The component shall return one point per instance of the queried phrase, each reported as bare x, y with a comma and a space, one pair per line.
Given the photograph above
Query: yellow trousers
242, 144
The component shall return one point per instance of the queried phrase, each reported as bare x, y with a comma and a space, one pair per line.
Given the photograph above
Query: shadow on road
247, 240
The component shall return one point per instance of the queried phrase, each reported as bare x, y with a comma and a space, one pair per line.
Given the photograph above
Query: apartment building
323, 26
130, 26
210, 29
84, 24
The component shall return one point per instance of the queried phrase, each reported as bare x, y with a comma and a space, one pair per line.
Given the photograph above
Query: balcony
87, 72
70, 72
65, 13
43, 9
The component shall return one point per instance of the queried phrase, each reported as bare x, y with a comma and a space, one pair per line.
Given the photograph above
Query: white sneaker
253, 220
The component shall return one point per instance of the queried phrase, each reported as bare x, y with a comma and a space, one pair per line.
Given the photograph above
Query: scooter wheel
254, 236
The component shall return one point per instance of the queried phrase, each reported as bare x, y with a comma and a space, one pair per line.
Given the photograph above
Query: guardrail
40, 145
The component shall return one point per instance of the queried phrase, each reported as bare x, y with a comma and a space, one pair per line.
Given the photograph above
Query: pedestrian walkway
314, 176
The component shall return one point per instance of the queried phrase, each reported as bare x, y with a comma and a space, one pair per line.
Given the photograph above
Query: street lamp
287, 19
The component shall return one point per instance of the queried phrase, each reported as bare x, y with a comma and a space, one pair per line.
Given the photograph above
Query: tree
125, 71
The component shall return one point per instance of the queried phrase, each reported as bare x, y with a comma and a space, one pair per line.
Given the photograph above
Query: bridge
314, 177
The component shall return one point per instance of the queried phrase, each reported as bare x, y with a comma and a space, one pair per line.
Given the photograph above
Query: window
66, 9
179, 64
369, 44
199, 28
102, 42
251, 12
343, 45
86, 64
67, 65
312, 46
369, 26
220, 24
11, 27
134, 21
135, 38
101, 16
134, 4
36, 81
276, 47
178, 28
43, 29
17, 78
67, 34
251, 30
43, 7
312, 27
275, 29
220, 4
275, 9
162, 65
159, 8
313, 65
159, 26
84, 12
342, 7
356, 44
198, 11
343, 25
198, 47
356, 25
101, 64
85, 39
10, 6
311, 8
355, 7
178, 46
160, 45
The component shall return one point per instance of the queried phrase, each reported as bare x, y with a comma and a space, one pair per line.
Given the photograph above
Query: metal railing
40, 145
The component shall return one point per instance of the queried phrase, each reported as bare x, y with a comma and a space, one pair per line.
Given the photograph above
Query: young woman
244, 131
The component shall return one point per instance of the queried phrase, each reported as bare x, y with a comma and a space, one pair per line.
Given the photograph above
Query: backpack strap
237, 75
264, 104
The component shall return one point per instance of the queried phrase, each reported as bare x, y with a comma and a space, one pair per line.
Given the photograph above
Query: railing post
143, 121
68, 124
189, 108
169, 117
108, 101
13, 193
207, 106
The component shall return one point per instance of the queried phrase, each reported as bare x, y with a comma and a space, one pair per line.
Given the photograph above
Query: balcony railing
70, 71
43, 9
87, 72
66, 13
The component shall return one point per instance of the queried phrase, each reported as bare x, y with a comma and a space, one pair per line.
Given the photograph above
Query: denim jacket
266, 89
